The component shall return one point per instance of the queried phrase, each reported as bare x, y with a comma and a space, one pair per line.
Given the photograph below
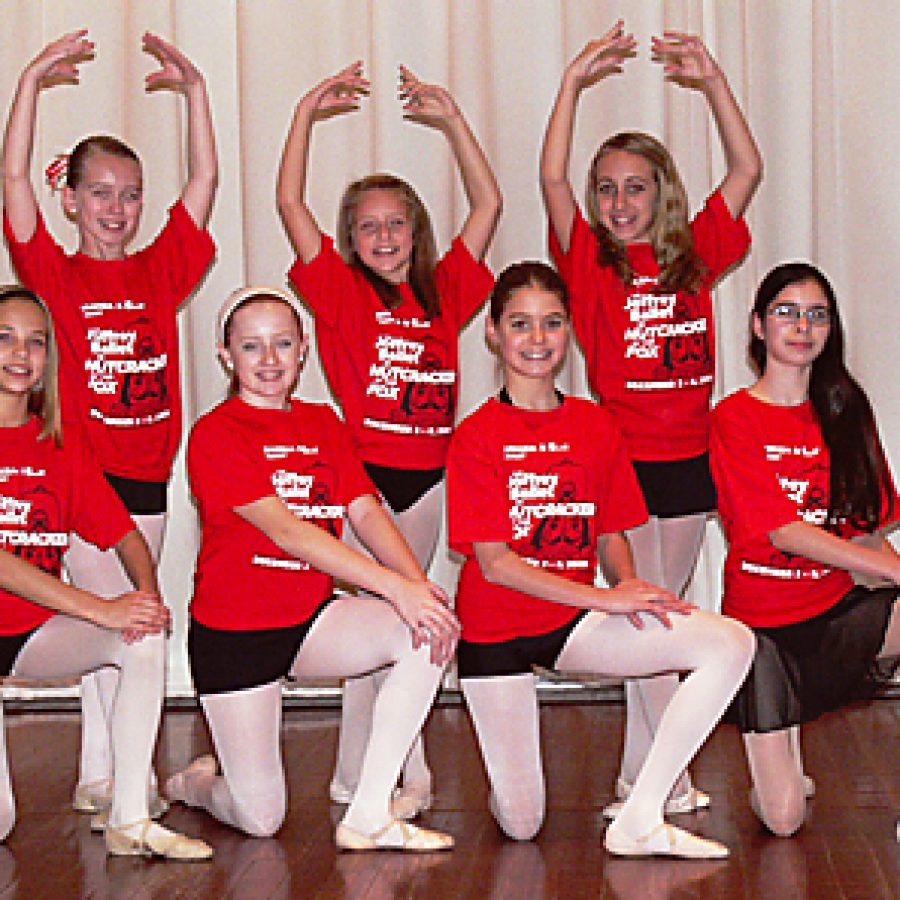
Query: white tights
665, 553
63, 647
776, 766
716, 652
101, 573
352, 636
419, 525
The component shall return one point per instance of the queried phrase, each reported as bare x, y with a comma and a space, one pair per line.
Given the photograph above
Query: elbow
781, 538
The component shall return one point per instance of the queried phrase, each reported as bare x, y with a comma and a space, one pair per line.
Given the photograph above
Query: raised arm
500, 564
420, 604
138, 612
433, 105
686, 59
599, 58
56, 63
178, 73
339, 93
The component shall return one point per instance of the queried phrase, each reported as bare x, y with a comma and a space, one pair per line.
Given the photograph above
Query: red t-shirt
118, 338
395, 372
651, 356
238, 454
772, 468
548, 484
46, 492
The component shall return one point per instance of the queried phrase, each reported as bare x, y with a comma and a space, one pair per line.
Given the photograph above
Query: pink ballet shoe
664, 840
174, 787
688, 802
144, 838
394, 836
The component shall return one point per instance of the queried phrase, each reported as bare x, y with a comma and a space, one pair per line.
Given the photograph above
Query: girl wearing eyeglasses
804, 492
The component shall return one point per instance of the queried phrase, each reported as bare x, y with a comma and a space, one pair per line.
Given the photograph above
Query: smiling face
795, 326
265, 349
531, 334
106, 204
626, 195
382, 234
24, 340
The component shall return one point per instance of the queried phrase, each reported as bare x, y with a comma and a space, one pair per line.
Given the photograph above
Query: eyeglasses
790, 312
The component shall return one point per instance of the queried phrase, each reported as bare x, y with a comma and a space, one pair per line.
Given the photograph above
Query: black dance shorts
517, 656
224, 661
676, 487
403, 488
10, 646
140, 498
803, 670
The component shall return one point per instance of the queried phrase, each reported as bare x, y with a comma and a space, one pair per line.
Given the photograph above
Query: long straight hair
424, 254
44, 398
860, 478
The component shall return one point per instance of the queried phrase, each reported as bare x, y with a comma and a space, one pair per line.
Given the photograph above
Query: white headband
236, 298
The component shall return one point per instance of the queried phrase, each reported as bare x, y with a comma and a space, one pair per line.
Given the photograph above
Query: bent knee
783, 819
261, 821
784, 823
519, 821
735, 643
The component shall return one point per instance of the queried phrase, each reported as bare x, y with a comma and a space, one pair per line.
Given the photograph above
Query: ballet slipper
175, 787
663, 840
394, 836
144, 838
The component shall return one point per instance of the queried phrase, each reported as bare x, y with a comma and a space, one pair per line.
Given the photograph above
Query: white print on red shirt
806, 487
309, 494
547, 512
126, 366
33, 517
413, 376
666, 340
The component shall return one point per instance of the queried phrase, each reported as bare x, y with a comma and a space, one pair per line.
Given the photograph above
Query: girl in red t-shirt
537, 484
274, 478
804, 491
640, 276
388, 317
49, 629
116, 314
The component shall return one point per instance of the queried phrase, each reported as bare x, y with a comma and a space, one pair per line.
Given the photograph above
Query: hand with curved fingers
633, 596
176, 70
428, 103
341, 91
603, 56
425, 607
135, 614
59, 60
685, 58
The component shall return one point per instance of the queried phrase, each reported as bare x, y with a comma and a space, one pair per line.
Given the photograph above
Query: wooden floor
848, 848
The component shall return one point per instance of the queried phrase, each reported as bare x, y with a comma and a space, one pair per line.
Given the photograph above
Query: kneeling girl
538, 483
273, 478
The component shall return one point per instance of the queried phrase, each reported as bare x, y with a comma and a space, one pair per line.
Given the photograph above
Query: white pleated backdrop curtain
818, 80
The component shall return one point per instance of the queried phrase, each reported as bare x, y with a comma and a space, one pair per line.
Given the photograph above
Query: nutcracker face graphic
144, 389
322, 496
43, 546
428, 400
565, 533
687, 353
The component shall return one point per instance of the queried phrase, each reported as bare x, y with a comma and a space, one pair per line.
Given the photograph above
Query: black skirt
803, 670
